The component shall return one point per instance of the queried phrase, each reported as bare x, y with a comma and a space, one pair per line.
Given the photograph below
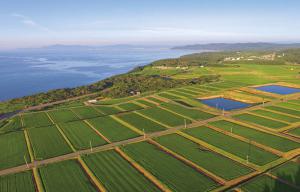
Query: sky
35, 23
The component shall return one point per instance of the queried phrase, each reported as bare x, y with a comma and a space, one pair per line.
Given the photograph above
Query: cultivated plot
188, 112
278, 116
62, 115
130, 106
48, 142
81, 135
116, 174
164, 116
284, 110
289, 172
108, 110
205, 158
276, 142
13, 150
269, 123
232, 145
112, 129
141, 122
14, 124
144, 102
65, 176
168, 96
39, 119
17, 182
175, 174
86, 112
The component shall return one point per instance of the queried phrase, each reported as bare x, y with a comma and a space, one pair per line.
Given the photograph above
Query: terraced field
209, 160
81, 135
116, 174
130, 106
278, 116
276, 142
169, 170
112, 129
261, 121
108, 110
13, 150
14, 124
86, 112
232, 145
47, 142
146, 103
295, 131
39, 119
289, 105
141, 122
164, 116
284, 110
17, 182
65, 176
188, 112
169, 96
63, 115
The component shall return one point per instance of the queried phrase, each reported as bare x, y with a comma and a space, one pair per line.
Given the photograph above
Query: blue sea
30, 71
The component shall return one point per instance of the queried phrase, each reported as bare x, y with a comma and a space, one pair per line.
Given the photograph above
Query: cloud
29, 22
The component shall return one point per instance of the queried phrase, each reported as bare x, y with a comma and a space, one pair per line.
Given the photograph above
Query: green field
175, 174
261, 121
232, 145
13, 150
289, 172
188, 112
289, 105
47, 142
141, 122
108, 110
65, 176
86, 112
144, 102
130, 106
284, 110
155, 100
296, 101
278, 116
39, 119
180, 93
265, 183
183, 90
168, 96
112, 129
62, 115
18, 182
116, 174
209, 160
276, 142
295, 131
81, 135
13, 124
164, 116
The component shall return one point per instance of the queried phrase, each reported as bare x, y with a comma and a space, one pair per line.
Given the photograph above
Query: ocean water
25, 72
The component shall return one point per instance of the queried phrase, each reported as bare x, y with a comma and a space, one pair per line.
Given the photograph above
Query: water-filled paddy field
225, 104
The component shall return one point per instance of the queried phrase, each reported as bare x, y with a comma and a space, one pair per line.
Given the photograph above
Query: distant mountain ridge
239, 46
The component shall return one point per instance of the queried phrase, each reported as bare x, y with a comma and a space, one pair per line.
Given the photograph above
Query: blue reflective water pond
281, 90
224, 104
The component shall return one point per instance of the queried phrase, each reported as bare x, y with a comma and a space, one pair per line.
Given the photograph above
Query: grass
86, 112
188, 112
265, 183
108, 110
276, 142
261, 121
130, 106
164, 116
295, 131
13, 150
14, 124
175, 174
232, 145
39, 119
209, 160
112, 129
116, 174
63, 115
80, 135
289, 172
17, 182
47, 142
65, 176
276, 116
141, 123
284, 110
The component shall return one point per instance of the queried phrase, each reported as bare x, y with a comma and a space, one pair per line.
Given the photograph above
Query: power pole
91, 146
185, 123
144, 134
26, 161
